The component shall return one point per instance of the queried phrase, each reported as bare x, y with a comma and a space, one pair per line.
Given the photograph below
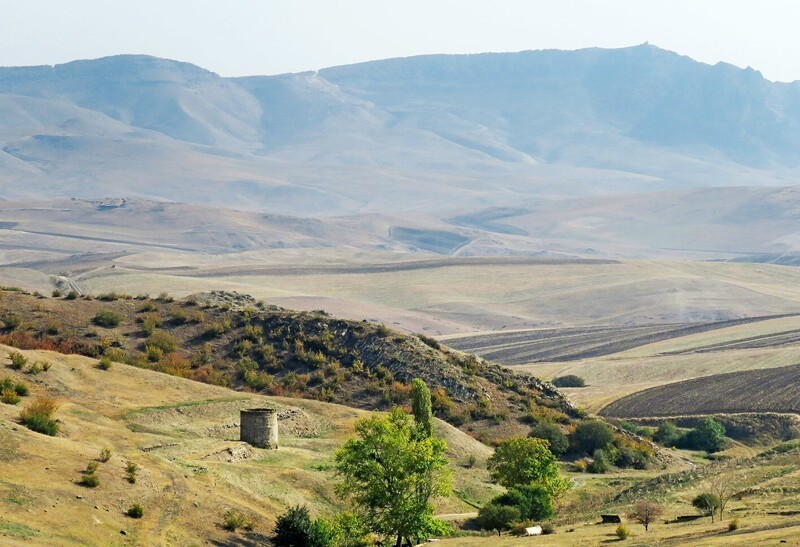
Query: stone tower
259, 427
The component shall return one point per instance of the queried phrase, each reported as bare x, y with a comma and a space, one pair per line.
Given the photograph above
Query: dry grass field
192, 468
470, 296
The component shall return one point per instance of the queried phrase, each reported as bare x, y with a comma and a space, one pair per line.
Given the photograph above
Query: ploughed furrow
773, 339
764, 390
574, 343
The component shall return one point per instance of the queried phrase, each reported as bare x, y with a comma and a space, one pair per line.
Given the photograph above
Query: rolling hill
183, 436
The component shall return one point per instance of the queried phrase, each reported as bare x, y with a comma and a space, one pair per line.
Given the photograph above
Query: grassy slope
184, 495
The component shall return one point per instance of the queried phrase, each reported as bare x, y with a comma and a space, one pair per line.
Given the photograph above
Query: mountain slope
401, 134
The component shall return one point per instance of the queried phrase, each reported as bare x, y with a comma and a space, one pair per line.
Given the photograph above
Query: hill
235, 341
183, 436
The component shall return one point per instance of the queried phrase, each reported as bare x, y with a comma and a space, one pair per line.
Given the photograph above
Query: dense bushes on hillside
243, 344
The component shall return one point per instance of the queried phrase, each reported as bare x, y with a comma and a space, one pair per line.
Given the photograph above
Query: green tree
421, 407
707, 503
709, 435
391, 474
550, 432
533, 501
497, 517
666, 434
589, 435
523, 460
350, 530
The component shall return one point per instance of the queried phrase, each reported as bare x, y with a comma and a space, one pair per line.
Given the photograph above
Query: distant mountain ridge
433, 137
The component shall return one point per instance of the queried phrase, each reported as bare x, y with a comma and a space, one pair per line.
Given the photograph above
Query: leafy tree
497, 517
391, 474
321, 533
707, 503
590, 435
350, 530
550, 432
421, 407
709, 435
533, 501
523, 460
666, 434
645, 512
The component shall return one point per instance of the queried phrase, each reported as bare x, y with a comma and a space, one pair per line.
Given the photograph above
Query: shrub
178, 317
131, 469
72, 295
148, 306
471, 461
150, 323
580, 466
136, 511
89, 481
105, 455
9, 397
559, 444
52, 328
12, 321
36, 368
548, 529
667, 434
10, 384
569, 380
591, 435
163, 341
539, 413
56, 293
104, 363
602, 460
165, 297
733, 525
431, 342
107, 319
497, 517
38, 416
17, 360
292, 528
622, 532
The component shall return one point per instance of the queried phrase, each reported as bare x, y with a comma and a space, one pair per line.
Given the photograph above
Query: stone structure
259, 427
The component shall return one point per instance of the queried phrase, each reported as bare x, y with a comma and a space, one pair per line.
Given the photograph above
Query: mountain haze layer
449, 145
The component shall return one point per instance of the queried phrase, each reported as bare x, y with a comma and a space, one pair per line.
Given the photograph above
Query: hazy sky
241, 37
